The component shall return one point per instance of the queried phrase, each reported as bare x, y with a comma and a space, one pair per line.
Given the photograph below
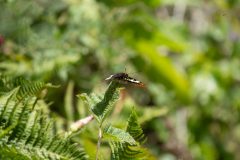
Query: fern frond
134, 128
27, 88
122, 151
28, 133
130, 151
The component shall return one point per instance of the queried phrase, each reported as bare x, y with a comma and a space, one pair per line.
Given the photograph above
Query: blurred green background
186, 52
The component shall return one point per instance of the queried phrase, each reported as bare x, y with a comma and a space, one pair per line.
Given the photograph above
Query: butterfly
123, 78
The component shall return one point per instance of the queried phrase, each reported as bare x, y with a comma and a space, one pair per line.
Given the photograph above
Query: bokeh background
186, 52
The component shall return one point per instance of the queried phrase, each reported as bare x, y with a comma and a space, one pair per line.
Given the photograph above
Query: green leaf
118, 135
101, 106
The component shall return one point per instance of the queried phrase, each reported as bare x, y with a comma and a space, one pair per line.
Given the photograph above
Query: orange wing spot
141, 85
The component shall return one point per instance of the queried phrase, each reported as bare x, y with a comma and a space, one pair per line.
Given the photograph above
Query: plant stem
99, 141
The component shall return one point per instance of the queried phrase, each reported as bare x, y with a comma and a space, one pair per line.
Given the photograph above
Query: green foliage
27, 132
186, 52
134, 128
118, 135
123, 149
124, 144
160, 63
101, 106
26, 87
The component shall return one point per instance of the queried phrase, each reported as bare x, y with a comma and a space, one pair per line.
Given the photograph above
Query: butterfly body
124, 79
